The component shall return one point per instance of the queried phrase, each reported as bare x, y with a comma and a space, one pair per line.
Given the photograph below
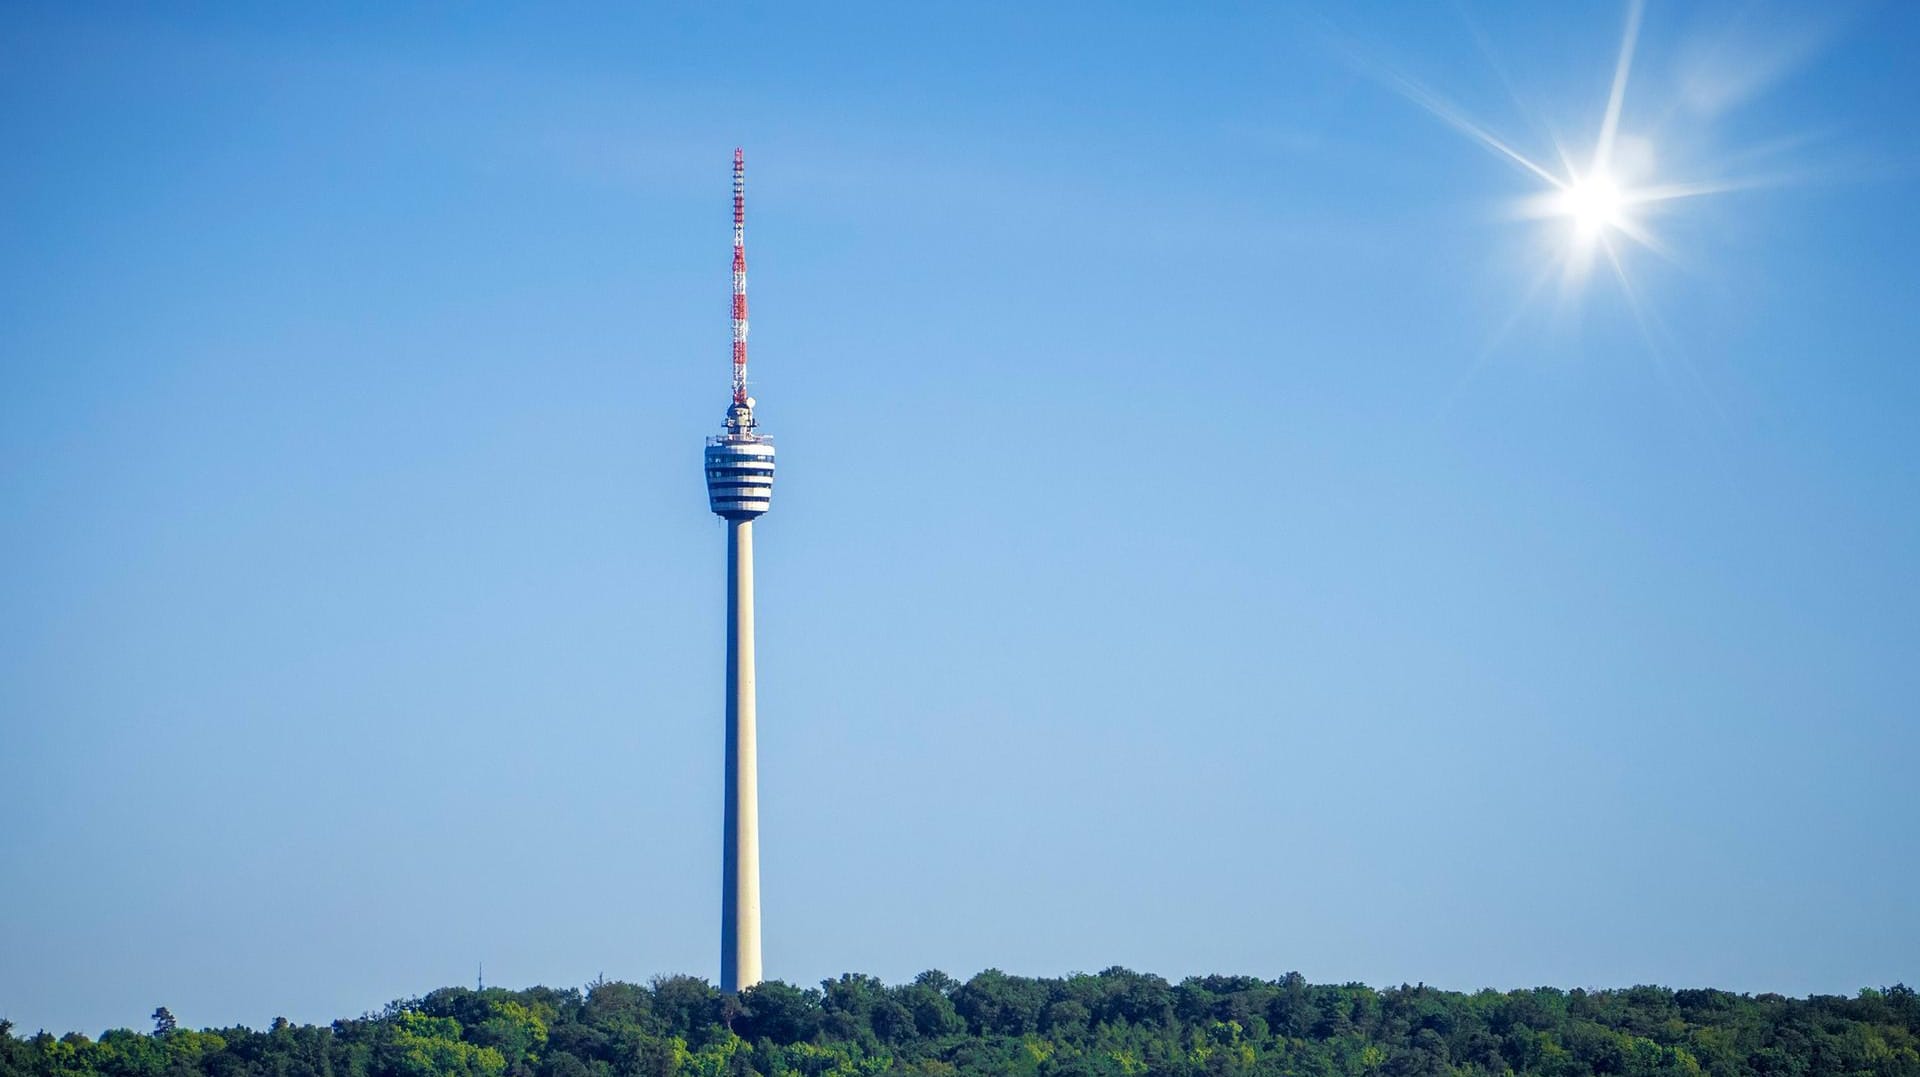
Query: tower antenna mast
739, 278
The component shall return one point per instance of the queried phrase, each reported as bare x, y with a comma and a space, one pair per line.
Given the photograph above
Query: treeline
1118, 1022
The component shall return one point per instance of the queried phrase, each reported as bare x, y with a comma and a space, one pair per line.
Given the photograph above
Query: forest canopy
1117, 1022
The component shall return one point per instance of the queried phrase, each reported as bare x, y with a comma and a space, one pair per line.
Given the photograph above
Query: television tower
739, 488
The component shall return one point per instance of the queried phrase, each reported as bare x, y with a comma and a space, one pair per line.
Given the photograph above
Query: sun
1595, 211
1595, 204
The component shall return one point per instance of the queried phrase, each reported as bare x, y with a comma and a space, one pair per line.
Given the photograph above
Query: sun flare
1600, 205
1595, 205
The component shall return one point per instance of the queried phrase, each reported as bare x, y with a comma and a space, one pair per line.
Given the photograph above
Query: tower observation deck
740, 467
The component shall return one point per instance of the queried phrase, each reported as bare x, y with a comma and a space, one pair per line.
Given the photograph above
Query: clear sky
1227, 522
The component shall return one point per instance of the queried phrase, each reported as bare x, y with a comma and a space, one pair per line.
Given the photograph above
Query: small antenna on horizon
480, 978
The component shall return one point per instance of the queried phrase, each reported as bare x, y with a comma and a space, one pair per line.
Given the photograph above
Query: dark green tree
780, 1012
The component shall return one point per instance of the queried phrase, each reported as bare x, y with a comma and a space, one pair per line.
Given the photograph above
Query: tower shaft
740, 883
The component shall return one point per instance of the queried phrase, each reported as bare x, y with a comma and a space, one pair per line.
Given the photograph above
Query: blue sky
1215, 532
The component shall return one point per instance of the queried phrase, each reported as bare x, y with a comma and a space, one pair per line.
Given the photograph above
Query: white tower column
740, 885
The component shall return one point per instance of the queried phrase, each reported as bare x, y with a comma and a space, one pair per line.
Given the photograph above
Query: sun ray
1633, 296
1494, 341
1666, 352
1639, 233
1560, 151
1617, 95
1453, 117
1667, 192
1485, 48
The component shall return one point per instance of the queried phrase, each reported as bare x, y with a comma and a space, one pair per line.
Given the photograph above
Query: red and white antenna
739, 278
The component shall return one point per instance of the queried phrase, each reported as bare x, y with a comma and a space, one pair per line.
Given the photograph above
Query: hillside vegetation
1117, 1022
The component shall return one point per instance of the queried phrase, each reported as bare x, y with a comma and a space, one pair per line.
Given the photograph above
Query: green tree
933, 1012
685, 1006
419, 1045
995, 1004
512, 1029
780, 1012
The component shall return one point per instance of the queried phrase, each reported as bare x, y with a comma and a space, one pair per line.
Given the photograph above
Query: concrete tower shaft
740, 869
